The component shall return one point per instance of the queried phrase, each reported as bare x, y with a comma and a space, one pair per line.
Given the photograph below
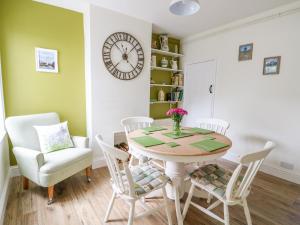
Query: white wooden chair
229, 188
217, 125
134, 183
131, 124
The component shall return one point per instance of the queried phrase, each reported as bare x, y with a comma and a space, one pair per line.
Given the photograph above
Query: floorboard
272, 201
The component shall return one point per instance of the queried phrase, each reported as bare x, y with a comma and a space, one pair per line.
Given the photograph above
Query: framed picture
46, 60
272, 65
245, 52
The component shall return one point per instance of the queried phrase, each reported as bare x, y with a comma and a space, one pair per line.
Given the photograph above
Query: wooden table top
185, 149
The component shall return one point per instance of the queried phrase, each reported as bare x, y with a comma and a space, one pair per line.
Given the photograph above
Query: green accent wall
158, 111
25, 25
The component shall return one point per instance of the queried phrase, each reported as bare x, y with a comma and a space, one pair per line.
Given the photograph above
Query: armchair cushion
57, 160
54, 137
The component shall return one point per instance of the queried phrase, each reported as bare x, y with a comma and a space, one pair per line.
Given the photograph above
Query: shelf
164, 69
161, 52
165, 102
165, 85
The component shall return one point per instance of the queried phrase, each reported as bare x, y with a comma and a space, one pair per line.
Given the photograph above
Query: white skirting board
4, 196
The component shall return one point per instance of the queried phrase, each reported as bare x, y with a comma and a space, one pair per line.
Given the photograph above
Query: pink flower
177, 111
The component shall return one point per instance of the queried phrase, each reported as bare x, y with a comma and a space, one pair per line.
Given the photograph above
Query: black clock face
123, 56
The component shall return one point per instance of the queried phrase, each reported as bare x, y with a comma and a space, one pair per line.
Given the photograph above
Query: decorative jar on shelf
153, 60
164, 42
174, 65
161, 95
164, 62
180, 79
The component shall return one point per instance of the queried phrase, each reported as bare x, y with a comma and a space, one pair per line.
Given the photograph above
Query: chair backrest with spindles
122, 180
217, 125
133, 123
239, 188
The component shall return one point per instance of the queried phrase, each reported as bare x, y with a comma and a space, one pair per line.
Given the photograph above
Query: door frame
214, 79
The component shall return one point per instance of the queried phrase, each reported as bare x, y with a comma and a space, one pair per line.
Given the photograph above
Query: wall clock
123, 56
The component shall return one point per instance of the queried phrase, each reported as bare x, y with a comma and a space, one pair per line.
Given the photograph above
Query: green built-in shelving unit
162, 78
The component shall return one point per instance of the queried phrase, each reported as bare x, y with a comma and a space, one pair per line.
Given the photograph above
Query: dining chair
131, 124
228, 188
217, 125
133, 183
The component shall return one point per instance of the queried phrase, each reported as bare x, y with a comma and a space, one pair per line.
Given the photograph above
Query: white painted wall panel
113, 99
258, 107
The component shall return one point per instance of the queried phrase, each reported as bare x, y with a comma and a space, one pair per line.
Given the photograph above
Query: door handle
210, 89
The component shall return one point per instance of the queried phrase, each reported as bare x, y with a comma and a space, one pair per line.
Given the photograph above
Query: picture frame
272, 65
245, 52
46, 60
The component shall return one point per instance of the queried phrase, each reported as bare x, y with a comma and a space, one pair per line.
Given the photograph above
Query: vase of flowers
177, 114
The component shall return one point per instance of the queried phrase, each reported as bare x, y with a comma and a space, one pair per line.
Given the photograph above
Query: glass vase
177, 128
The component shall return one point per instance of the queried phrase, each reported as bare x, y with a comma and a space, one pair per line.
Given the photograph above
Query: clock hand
133, 48
114, 66
119, 49
124, 49
130, 64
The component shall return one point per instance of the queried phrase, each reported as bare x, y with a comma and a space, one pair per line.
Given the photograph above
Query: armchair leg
50, 195
25, 183
88, 172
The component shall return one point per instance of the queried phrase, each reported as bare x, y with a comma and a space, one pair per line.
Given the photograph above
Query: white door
199, 90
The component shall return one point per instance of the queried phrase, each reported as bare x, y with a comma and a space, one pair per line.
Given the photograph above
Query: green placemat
209, 145
172, 144
174, 136
200, 130
208, 138
147, 141
153, 128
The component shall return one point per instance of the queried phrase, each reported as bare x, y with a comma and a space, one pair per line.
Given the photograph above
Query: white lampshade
184, 7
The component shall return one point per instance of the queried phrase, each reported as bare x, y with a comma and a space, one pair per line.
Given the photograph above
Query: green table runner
172, 144
174, 136
200, 130
209, 145
147, 141
154, 128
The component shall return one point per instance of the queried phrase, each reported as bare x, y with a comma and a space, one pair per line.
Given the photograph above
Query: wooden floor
272, 202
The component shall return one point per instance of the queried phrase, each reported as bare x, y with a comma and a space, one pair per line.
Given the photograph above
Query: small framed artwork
245, 52
46, 60
272, 65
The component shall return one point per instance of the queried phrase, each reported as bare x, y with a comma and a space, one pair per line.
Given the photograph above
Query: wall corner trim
99, 162
14, 171
258, 18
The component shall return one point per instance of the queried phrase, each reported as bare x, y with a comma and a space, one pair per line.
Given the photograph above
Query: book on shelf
175, 95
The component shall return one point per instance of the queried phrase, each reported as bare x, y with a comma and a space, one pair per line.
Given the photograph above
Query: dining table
178, 151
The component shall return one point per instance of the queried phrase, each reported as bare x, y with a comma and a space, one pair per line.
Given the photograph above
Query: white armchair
51, 168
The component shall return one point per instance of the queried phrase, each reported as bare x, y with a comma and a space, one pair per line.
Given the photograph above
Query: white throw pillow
54, 137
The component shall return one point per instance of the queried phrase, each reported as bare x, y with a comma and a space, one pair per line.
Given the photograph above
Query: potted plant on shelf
177, 114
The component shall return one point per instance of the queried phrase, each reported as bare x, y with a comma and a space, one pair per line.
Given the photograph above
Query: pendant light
184, 7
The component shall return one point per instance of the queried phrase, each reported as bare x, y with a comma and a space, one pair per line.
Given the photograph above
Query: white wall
258, 107
112, 99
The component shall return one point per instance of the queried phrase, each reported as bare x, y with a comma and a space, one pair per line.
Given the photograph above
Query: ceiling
213, 13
